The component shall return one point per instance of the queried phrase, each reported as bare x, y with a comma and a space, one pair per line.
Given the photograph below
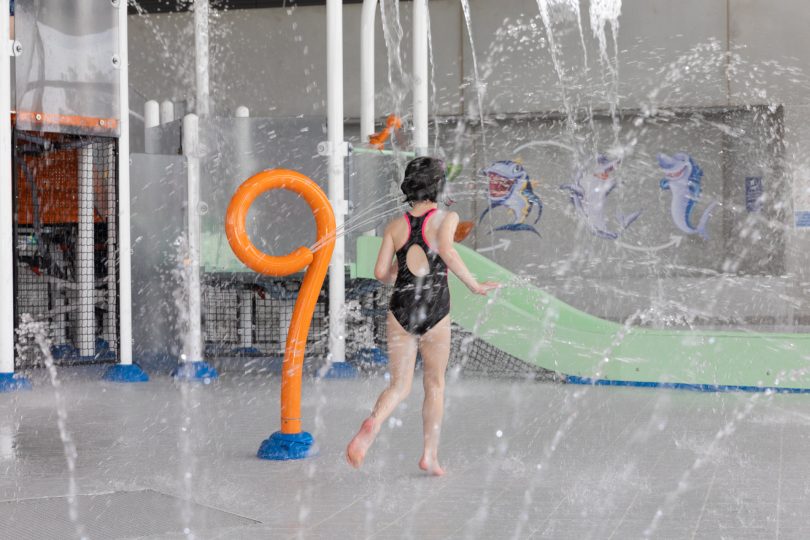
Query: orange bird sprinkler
290, 442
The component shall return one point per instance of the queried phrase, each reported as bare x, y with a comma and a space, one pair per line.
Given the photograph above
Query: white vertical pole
242, 137
124, 245
86, 334
367, 69
246, 319
201, 9
337, 154
166, 112
420, 77
6, 192
151, 119
111, 314
191, 149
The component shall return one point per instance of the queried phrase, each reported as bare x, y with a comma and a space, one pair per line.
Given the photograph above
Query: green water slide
541, 330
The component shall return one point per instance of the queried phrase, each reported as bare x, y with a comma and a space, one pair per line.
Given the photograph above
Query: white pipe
6, 191
85, 251
201, 10
59, 311
367, 23
242, 143
337, 151
246, 319
166, 112
191, 149
124, 245
151, 119
242, 147
420, 77
111, 314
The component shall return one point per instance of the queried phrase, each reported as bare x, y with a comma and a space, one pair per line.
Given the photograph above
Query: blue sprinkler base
286, 446
125, 373
11, 382
341, 370
195, 371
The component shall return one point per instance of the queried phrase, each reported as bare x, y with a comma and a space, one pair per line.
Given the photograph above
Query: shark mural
589, 194
510, 187
682, 177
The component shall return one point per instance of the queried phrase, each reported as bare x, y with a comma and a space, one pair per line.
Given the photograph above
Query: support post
192, 366
420, 77
201, 9
111, 313
337, 151
151, 119
85, 255
125, 370
8, 380
242, 144
367, 23
166, 112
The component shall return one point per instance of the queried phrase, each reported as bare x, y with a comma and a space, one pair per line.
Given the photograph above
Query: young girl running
416, 253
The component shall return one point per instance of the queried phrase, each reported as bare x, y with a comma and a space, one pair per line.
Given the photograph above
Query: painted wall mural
682, 177
589, 193
511, 188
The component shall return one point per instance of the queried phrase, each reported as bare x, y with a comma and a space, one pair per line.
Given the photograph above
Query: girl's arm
453, 260
385, 270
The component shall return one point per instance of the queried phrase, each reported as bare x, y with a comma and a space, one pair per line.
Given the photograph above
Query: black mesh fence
251, 319
65, 229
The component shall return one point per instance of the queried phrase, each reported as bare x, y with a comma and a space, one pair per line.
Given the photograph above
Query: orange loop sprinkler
378, 139
290, 442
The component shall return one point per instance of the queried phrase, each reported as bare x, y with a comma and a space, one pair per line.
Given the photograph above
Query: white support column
6, 191
111, 313
191, 149
124, 244
242, 147
337, 153
151, 119
246, 320
420, 77
166, 112
85, 251
367, 69
201, 9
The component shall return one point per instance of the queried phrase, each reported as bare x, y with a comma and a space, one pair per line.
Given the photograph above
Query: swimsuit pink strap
424, 225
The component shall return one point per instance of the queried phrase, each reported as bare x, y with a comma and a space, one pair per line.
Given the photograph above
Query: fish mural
589, 194
682, 176
511, 188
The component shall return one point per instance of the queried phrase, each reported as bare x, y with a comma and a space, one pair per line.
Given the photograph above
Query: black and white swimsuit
419, 303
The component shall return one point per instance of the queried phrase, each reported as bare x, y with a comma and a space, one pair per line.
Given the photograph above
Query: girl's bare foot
356, 451
431, 466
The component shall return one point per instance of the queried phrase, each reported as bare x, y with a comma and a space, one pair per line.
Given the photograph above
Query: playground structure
65, 232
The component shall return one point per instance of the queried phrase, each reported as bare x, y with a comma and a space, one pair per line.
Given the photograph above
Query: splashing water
32, 332
605, 12
479, 86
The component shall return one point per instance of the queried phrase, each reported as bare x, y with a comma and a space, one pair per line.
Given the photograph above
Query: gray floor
524, 460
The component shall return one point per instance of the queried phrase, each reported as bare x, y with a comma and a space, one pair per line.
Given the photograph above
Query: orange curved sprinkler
290, 442
392, 123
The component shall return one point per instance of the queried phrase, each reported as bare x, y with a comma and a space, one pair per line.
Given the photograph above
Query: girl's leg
401, 360
435, 349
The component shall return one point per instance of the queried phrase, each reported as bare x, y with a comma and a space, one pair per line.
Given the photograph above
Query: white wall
274, 60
